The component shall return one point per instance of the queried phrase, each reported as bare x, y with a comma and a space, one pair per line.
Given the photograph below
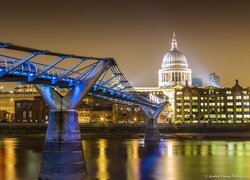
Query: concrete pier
63, 155
152, 131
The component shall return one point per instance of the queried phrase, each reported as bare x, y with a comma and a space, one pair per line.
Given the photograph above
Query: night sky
214, 35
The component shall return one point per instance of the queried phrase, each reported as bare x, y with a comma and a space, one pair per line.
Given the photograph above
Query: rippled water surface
133, 159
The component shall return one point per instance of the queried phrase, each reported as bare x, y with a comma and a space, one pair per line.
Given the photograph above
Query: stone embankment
112, 130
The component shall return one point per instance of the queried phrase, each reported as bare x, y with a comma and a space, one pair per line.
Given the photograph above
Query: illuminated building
212, 104
214, 80
174, 68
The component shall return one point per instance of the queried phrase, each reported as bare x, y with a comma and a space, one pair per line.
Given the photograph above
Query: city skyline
212, 35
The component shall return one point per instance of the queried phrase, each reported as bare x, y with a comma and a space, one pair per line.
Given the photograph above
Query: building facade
31, 111
212, 104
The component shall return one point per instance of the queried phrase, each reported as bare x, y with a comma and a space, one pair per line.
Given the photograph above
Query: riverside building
212, 104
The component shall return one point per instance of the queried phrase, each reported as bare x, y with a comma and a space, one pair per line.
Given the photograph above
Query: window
238, 103
238, 97
238, 109
246, 109
195, 110
24, 114
194, 97
178, 98
230, 97
30, 114
178, 110
211, 104
245, 97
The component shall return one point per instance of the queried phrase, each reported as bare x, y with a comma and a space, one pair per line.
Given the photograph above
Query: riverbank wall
181, 131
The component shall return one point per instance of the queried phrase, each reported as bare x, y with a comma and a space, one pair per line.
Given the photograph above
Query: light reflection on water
134, 159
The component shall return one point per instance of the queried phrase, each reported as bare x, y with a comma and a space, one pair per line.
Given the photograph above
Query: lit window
229, 97
246, 116
194, 97
238, 103
238, 109
246, 97
238, 97
246, 109
24, 114
30, 114
246, 103
238, 116
211, 104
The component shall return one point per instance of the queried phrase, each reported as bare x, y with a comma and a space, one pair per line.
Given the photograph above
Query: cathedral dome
175, 69
174, 59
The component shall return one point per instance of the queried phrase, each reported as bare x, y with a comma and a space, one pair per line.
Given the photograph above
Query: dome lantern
174, 43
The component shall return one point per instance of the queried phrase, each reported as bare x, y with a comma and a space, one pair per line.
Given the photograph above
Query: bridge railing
12, 68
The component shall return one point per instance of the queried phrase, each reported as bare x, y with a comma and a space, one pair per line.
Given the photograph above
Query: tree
118, 115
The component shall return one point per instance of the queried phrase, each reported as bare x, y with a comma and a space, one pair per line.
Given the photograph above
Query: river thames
133, 159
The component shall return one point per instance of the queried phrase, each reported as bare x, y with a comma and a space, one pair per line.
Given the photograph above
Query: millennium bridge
63, 156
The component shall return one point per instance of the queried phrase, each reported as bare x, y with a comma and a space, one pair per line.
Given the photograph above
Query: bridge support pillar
152, 131
63, 155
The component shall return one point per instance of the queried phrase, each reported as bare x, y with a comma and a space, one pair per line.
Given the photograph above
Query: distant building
196, 82
214, 80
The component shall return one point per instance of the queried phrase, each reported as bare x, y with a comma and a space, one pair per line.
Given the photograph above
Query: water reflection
20, 158
102, 160
134, 159
8, 158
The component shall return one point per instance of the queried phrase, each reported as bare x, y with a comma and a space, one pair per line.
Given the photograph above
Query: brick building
31, 110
